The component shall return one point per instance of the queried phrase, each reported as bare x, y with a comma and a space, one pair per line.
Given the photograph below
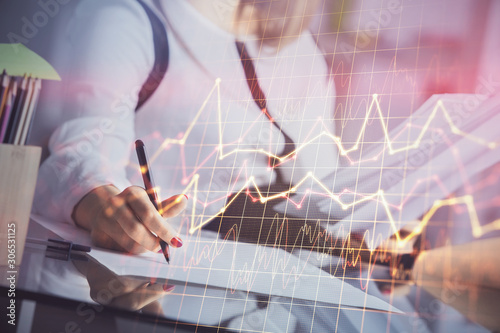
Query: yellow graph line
478, 230
263, 199
343, 151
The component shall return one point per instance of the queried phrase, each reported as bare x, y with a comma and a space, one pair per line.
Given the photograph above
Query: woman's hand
121, 291
126, 221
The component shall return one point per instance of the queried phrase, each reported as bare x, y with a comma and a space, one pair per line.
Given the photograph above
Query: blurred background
404, 51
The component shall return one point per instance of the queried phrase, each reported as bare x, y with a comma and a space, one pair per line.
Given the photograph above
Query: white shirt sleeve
110, 53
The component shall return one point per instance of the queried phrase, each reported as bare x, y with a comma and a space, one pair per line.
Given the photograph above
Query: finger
119, 242
100, 238
153, 308
100, 278
173, 206
107, 232
125, 284
129, 214
113, 289
149, 216
141, 296
113, 292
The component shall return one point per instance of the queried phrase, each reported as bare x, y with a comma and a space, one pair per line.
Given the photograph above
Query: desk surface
68, 296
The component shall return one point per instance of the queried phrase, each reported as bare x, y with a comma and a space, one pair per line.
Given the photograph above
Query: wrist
85, 211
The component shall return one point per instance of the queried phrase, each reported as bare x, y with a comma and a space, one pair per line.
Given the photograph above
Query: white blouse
200, 126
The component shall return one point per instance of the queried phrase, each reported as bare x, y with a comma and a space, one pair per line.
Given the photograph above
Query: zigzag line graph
379, 195
374, 105
349, 249
467, 200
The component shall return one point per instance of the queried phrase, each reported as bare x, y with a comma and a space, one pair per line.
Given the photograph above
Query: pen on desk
59, 244
147, 177
60, 249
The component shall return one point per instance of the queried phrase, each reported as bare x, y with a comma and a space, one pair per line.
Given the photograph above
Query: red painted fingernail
176, 242
186, 197
168, 287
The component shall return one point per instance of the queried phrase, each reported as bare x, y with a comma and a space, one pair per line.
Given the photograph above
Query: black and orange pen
147, 177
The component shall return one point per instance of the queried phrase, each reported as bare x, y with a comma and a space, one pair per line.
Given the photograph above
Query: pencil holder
18, 173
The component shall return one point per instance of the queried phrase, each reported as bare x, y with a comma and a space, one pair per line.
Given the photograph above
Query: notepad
236, 267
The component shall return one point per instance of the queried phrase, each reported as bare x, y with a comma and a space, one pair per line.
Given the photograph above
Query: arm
109, 54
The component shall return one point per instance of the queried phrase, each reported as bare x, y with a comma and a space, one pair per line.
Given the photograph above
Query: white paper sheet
234, 267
